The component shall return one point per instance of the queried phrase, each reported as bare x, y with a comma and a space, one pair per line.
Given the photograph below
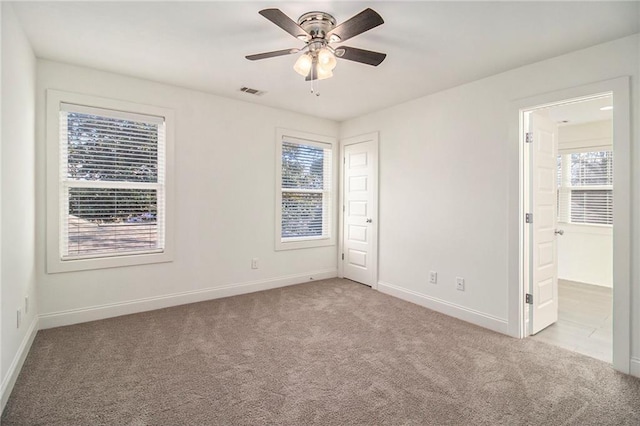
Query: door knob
369, 220
559, 232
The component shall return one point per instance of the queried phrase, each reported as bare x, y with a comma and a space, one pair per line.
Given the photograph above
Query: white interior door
359, 235
544, 253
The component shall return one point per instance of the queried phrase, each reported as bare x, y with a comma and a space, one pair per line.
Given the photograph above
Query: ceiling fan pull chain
315, 91
315, 81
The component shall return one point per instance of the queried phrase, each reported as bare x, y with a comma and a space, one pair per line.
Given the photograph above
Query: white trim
490, 322
18, 361
635, 367
620, 88
93, 313
54, 263
369, 137
308, 139
108, 112
320, 141
575, 147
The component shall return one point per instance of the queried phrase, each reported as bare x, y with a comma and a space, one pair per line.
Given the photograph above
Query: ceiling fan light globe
323, 73
327, 59
303, 65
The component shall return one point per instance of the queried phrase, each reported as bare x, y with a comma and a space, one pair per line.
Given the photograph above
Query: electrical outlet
18, 318
26, 304
254, 263
433, 277
460, 283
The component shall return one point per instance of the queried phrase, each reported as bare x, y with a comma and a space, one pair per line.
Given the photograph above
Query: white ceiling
431, 46
584, 111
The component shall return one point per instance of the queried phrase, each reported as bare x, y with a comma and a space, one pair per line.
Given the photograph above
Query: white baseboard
635, 367
93, 313
18, 360
474, 317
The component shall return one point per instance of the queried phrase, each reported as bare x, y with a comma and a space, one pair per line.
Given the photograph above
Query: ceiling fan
318, 31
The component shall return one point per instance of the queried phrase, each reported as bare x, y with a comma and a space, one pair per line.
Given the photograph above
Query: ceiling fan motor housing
318, 25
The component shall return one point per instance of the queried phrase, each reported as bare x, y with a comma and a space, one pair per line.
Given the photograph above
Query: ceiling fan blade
360, 55
272, 54
283, 21
363, 21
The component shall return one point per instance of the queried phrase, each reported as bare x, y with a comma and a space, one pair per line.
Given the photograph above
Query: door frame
368, 137
620, 88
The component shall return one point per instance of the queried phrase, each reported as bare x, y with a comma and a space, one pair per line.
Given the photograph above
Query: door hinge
528, 138
528, 299
342, 256
344, 160
528, 217
343, 208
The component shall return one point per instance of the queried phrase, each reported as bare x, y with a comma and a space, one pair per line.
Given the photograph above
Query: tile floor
584, 320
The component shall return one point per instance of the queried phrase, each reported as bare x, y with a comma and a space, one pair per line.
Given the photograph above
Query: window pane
104, 221
592, 168
302, 215
592, 206
302, 166
577, 202
305, 192
110, 149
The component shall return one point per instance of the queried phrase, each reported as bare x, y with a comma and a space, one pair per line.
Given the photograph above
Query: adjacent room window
111, 186
585, 187
304, 191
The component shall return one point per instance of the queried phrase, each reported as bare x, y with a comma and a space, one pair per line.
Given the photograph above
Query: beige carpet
330, 352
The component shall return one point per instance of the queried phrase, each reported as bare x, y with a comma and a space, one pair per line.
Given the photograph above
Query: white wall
449, 184
585, 252
594, 135
18, 198
224, 210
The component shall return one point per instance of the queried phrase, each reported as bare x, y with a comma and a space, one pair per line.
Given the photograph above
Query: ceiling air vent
251, 91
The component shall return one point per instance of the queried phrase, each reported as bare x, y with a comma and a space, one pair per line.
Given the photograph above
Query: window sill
296, 244
55, 266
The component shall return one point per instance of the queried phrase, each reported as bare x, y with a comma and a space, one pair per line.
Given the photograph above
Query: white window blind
306, 190
112, 182
585, 187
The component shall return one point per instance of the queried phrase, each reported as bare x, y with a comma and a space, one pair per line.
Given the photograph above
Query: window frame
54, 203
565, 191
330, 198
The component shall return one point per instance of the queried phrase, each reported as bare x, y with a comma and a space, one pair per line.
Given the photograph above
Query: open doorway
520, 231
571, 240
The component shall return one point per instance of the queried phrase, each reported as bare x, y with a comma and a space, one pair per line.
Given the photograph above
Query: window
585, 187
110, 184
304, 202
